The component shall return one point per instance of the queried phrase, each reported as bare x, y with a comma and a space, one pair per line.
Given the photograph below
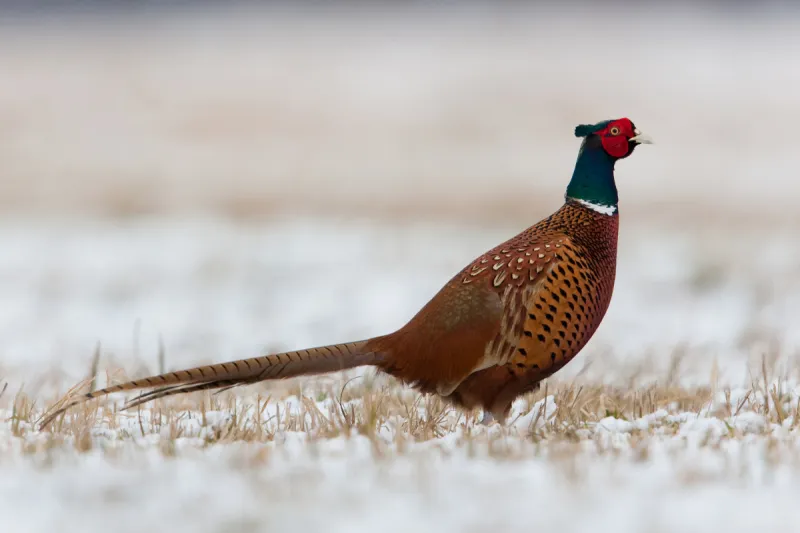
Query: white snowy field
691, 321
661, 472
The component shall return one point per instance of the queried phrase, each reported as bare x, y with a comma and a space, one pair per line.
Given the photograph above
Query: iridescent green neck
593, 177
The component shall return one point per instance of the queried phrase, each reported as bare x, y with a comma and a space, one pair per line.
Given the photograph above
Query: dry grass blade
162, 355
70, 399
93, 369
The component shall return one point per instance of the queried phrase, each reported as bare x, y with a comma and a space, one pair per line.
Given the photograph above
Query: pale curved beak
641, 138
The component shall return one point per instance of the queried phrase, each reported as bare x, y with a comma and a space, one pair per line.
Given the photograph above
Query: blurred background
221, 179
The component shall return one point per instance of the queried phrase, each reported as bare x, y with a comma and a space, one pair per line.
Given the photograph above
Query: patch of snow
541, 413
704, 430
749, 422
615, 425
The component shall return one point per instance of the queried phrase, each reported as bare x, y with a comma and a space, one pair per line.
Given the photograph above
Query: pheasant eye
614, 130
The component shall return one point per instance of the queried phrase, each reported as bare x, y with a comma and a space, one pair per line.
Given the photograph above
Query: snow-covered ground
665, 471
214, 290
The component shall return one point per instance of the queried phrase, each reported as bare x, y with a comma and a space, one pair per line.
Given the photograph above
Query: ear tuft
584, 130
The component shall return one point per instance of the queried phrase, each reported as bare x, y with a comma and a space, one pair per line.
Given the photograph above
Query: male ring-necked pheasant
511, 318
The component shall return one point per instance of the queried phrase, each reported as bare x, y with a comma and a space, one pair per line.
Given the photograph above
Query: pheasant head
603, 145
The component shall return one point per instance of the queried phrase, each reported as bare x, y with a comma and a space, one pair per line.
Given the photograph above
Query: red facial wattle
615, 137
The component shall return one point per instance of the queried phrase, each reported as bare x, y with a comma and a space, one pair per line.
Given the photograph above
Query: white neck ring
598, 208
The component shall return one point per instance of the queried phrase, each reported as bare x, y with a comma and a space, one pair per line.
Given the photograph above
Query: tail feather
180, 389
285, 365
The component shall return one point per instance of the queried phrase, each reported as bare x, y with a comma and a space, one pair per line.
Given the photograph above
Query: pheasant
511, 318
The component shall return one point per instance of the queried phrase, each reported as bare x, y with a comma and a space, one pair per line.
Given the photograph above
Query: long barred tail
285, 365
